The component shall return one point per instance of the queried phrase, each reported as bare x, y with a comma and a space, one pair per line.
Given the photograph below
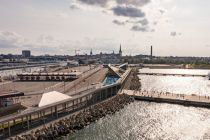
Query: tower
120, 51
91, 52
26, 53
151, 53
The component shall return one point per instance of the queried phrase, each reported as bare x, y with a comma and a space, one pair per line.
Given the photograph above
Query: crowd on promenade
157, 94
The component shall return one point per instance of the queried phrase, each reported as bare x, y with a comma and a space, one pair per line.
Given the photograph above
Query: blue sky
173, 27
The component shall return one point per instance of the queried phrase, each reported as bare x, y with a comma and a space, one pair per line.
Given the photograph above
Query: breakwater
167, 97
79, 120
132, 82
135, 81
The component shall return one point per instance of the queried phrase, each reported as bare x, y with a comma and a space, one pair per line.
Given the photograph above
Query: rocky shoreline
78, 121
135, 81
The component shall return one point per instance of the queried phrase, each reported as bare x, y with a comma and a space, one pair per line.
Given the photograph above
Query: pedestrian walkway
193, 100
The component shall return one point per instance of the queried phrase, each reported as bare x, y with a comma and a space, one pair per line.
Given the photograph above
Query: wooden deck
182, 99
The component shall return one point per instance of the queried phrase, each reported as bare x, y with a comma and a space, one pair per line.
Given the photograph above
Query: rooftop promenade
166, 97
27, 120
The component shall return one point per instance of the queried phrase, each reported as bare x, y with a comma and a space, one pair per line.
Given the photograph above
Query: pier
167, 97
170, 74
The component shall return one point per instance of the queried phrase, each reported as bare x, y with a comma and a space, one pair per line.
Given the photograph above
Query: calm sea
154, 121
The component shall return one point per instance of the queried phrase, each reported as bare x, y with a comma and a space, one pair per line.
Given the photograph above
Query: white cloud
133, 2
11, 39
61, 28
63, 15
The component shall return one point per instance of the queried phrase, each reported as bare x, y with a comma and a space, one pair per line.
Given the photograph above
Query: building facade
26, 53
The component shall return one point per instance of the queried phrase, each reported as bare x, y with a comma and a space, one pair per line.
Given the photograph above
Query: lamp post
64, 86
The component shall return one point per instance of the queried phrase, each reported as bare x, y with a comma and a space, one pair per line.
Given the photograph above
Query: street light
64, 86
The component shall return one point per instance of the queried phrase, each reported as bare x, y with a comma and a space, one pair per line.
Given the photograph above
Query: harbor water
156, 121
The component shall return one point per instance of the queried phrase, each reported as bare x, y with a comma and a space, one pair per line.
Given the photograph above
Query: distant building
8, 100
105, 58
91, 52
26, 53
72, 63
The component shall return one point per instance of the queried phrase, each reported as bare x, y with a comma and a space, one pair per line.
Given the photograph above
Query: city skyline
173, 28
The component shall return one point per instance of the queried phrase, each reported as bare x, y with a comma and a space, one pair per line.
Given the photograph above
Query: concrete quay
167, 97
169, 74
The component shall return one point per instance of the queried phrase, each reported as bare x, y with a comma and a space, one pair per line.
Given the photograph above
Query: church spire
120, 51
91, 52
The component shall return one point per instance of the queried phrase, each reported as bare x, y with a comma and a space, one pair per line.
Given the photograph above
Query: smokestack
151, 53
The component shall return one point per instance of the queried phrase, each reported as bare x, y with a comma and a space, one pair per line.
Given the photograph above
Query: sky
63, 27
